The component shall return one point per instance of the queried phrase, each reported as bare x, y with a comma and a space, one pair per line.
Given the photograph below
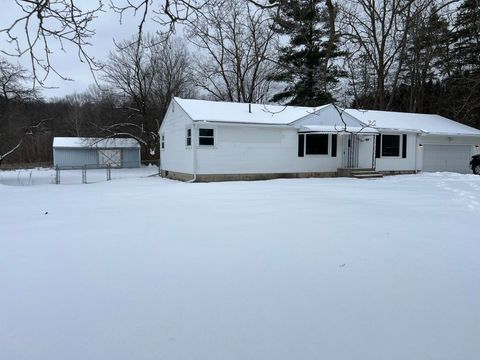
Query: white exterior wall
251, 149
241, 149
390, 163
446, 140
176, 156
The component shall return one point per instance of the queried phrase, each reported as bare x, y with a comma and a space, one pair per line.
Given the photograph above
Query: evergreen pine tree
463, 83
423, 62
307, 65
467, 36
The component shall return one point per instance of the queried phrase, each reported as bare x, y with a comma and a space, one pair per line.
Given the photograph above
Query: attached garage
453, 158
75, 152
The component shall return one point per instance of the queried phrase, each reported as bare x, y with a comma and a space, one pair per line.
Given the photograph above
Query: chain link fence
91, 173
85, 174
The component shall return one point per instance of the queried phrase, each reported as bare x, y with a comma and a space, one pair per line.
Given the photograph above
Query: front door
366, 151
350, 151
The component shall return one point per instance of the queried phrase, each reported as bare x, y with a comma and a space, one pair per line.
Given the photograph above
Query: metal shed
77, 152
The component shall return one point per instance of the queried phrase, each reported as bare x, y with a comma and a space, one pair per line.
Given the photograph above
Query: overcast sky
107, 27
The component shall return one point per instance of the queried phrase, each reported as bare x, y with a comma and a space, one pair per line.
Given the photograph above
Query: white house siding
398, 163
445, 140
243, 149
176, 156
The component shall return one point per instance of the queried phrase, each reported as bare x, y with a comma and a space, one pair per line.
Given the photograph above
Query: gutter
423, 133
228, 123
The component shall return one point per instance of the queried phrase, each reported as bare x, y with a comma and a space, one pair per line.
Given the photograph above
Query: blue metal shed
77, 152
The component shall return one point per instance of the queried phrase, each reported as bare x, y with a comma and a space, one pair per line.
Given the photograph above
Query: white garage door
454, 158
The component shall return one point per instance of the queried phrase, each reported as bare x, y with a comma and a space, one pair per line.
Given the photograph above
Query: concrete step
362, 173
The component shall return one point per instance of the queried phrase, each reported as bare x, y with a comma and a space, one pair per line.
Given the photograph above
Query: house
215, 141
77, 152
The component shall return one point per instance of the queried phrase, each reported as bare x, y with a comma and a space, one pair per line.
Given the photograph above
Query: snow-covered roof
229, 112
338, 128
398, 121
82, 142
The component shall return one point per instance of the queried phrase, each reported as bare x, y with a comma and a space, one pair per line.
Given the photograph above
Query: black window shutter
404, 146
334, 145
301, 145
378, 146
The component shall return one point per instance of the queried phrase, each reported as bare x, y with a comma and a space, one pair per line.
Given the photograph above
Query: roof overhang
397, 130
238, 123
425, 133
337, 129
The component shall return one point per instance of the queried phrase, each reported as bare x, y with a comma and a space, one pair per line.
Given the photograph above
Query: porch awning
337, 129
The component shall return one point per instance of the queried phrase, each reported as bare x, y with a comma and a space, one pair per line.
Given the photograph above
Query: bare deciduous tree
13, 78
145, 74
13, 90
377, 35
378, 30
238, 42
43, 22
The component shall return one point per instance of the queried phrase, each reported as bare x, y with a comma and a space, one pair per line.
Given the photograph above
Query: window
162, 142
404, 146
189, 137
206, 137
390, 145
316, 144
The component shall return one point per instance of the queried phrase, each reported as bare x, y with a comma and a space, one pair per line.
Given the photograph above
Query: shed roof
230, 112
401, 121
84, 142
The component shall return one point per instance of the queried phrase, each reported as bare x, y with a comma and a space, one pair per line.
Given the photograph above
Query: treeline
397, 55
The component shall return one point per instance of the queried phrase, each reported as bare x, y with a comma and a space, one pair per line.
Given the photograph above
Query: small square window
206, 137
391, 145
316, 144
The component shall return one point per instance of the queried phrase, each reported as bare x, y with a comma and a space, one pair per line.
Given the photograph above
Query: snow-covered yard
41, 176
337, 269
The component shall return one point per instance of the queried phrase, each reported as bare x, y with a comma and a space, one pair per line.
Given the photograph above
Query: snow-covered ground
337, 269
39, 176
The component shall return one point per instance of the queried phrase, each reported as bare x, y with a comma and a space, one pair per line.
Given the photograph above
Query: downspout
194, 155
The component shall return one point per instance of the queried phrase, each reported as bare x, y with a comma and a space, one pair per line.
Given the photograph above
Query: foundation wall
264, 176
243, 177
398, 172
